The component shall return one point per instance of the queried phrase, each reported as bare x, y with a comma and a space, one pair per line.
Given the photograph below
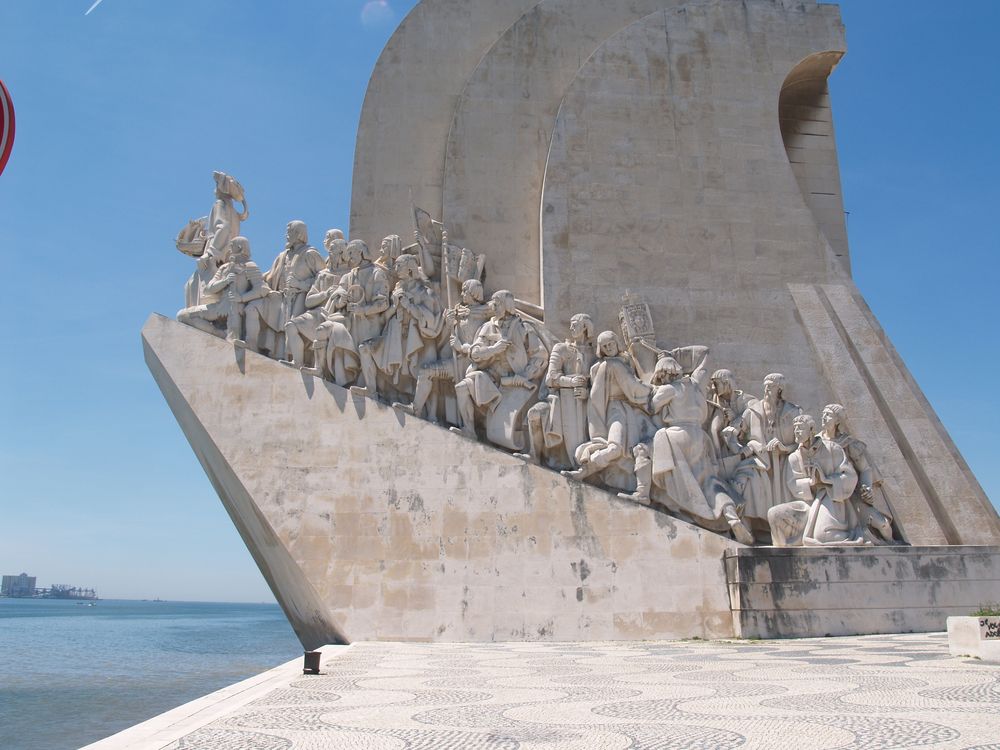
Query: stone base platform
801, 593
898, 691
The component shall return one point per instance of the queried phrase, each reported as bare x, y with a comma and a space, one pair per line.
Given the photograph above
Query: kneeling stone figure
820, 474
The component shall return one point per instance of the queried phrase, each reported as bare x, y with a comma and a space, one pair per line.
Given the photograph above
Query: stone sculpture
870, 503
462, 324
361, 300
207, 238
821, 476
766, 434
615, 419
647, 421
336, 250
290, 279
415, 321
683, 471
303, 330
508, 358
390, 249
726, 405
237, 283
557, 426
542, 137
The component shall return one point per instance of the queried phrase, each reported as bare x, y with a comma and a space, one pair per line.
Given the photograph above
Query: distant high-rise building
14, 586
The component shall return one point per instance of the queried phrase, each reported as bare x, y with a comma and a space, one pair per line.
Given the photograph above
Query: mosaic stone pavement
865, 693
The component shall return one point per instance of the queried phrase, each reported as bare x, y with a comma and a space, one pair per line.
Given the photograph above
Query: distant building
18, 586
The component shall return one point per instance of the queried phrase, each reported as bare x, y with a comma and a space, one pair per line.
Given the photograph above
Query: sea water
71, 673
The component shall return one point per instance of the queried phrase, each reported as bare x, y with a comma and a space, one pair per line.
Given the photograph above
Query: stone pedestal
831, 591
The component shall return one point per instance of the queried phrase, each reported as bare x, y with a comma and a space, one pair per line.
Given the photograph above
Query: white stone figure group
648, 422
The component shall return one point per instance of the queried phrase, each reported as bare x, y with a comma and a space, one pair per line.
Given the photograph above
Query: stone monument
666, 168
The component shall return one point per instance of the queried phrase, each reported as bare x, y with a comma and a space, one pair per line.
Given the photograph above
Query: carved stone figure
508, 358
683, 473
557, 426
302, 330
237, 283
726, 405
410, 334
336, 250
766, 434
360, 300
614, 416
207, 238
870, 503
390, 249
290, 279
463, 323
821, 476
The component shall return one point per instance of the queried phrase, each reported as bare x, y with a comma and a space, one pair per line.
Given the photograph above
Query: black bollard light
311, 662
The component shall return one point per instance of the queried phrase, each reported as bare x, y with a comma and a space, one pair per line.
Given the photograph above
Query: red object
6, 126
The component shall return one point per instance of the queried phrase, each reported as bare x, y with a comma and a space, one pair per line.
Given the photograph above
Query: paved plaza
861, 693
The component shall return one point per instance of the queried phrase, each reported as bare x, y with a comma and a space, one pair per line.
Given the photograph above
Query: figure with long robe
615, 418
820, 476
871, 504
408, 339
766, 436
683, 473
508, 359
462, 323
290, 279
557, 426
359, 304
302, 330
207, 238
726, 406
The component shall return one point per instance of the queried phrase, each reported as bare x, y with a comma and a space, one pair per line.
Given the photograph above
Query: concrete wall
810, 593
371, 525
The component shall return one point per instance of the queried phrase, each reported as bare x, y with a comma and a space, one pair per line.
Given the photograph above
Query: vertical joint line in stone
927, 487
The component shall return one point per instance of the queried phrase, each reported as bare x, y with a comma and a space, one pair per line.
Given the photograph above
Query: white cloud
377, 12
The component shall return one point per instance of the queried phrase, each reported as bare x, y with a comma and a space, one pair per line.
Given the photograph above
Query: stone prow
370, 524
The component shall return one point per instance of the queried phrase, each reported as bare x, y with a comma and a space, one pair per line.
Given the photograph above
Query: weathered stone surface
813, 592
370, 525
410, 105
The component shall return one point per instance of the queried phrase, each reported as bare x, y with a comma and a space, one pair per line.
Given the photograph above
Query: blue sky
124, 113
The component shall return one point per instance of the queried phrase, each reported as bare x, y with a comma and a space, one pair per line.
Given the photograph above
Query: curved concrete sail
409, 108
503, 123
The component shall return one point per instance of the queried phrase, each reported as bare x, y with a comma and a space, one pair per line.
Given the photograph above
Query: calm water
71, 674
